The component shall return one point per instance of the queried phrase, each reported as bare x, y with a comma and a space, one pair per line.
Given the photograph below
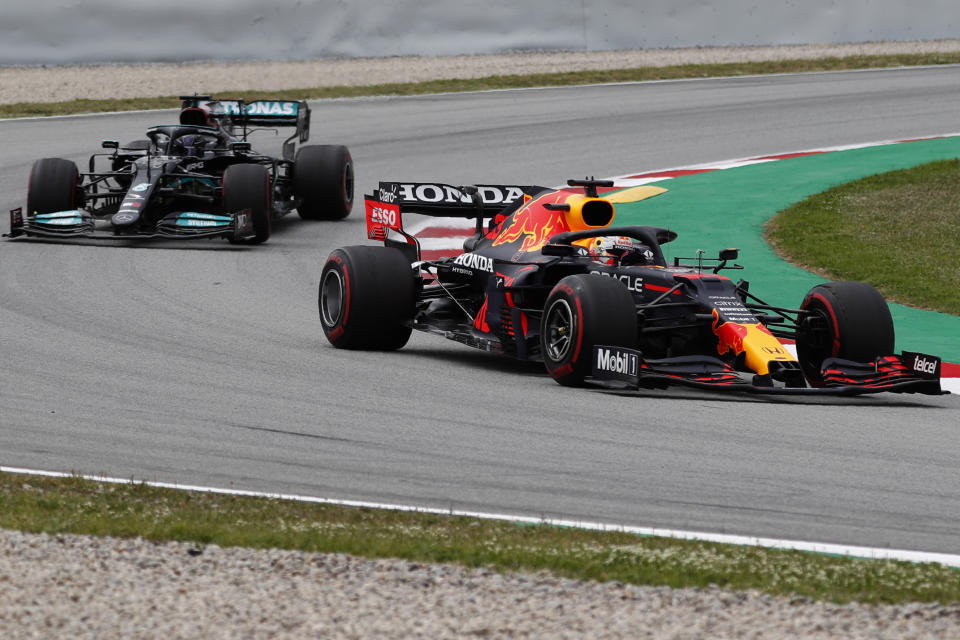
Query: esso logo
379, 215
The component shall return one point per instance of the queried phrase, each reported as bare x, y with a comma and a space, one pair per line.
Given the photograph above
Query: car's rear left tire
323, 180
583, 311
53, 186
366, 298
247, 186
848, 320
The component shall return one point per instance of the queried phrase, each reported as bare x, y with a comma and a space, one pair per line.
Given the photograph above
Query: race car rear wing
385, 206
264, 113
447, 201
272, 113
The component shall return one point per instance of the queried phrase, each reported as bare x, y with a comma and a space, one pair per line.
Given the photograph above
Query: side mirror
240, 147
110, 144
561, 250
729, 254
666, 235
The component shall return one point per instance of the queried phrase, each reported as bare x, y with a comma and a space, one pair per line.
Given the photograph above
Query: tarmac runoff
738, 191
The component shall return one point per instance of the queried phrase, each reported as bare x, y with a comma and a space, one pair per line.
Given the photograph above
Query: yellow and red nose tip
759, 346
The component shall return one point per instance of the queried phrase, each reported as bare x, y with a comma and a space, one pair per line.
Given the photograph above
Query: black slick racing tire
53, 186
582, 311
247, 186
366, 298
848, 320
323, 180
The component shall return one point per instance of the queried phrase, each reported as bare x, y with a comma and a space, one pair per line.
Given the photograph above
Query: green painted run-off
728, 208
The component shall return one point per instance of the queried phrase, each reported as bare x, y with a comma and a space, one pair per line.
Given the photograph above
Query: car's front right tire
53, 186
583, 311
247, 186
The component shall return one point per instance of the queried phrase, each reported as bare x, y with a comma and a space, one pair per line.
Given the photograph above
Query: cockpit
188, 141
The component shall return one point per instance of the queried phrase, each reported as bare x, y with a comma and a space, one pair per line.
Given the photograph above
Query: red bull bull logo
730, 336
533, 224
754, 340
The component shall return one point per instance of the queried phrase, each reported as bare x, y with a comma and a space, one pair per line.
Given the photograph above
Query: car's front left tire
848, 320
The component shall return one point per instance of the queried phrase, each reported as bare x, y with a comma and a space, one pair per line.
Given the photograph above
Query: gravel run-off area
59, 83
84, 587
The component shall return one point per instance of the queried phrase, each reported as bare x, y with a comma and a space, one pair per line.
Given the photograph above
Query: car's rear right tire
848, 320
366, 298
583, 311
53, 186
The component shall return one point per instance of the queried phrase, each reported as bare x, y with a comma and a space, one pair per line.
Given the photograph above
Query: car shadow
475, 358
885, 399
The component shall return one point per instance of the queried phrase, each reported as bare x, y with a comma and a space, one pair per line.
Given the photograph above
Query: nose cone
125, 218
128, 215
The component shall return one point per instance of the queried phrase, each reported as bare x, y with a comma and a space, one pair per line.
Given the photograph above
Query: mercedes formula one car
198, 178
550, 278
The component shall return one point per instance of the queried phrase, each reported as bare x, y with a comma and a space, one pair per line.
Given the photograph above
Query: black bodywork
171, 183
688, 323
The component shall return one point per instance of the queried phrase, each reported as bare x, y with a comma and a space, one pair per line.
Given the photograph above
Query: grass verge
77, 506
899, 231
23, 109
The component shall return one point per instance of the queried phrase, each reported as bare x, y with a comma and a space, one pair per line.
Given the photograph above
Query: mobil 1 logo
616, 363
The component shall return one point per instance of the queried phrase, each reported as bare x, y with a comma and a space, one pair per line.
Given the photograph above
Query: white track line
750, 541
739, 162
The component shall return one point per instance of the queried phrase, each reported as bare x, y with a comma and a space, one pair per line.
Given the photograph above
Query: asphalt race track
203, 363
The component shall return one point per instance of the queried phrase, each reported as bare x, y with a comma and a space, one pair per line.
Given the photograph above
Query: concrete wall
63, 32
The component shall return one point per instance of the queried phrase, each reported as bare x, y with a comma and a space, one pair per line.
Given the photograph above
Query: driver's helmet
189, 145
623, 250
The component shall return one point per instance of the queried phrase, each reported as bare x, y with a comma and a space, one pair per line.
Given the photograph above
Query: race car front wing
180, 225
908, 372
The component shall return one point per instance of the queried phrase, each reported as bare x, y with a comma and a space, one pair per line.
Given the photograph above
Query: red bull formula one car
549, 278
197, 178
